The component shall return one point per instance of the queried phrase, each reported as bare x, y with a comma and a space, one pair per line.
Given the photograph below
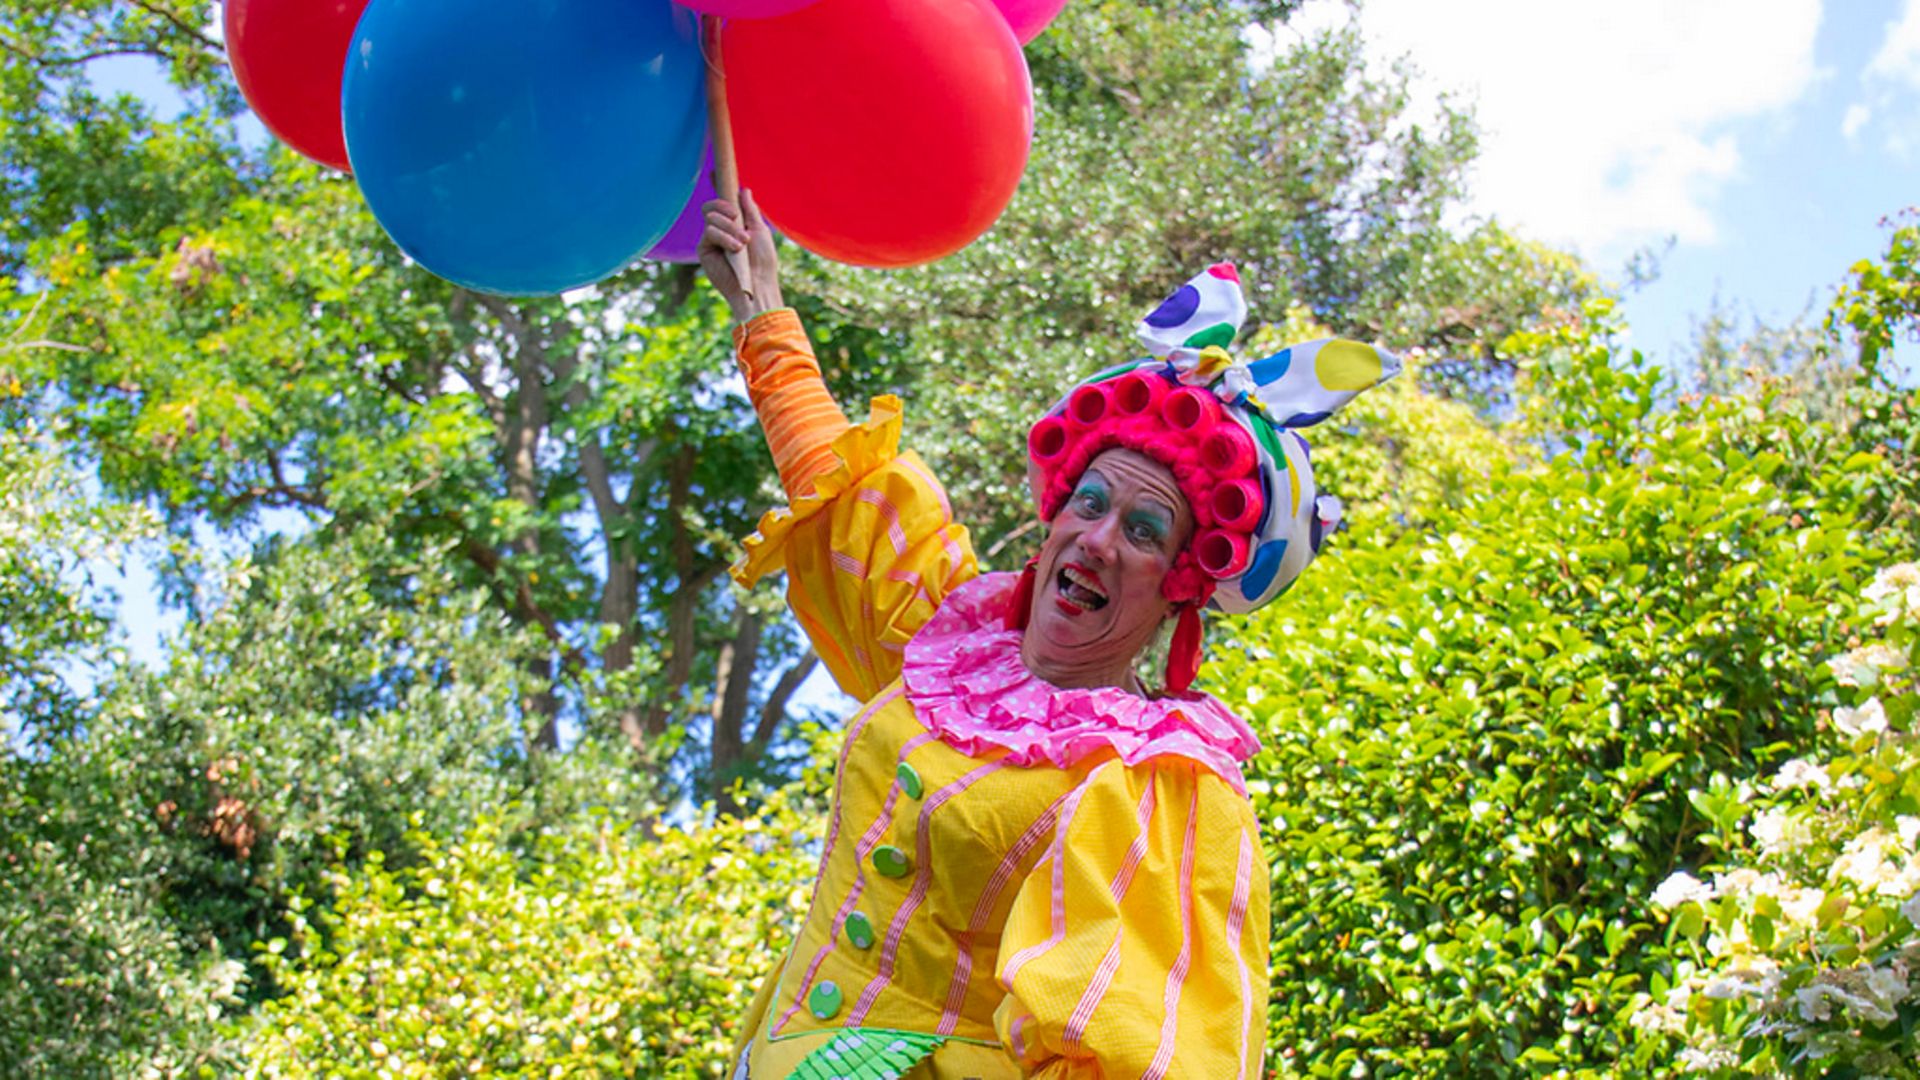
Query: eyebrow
1156, 504
1153, 498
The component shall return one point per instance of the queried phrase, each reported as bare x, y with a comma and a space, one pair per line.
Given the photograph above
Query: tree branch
593, 458
193, 32
43, 62
489, 397
523, 603
1000, 545
775, 708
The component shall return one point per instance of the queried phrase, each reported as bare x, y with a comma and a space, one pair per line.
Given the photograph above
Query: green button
909, 780
891, 861
824, 1002
860, 930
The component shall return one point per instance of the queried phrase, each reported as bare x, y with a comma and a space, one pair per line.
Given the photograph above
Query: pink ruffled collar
966, 681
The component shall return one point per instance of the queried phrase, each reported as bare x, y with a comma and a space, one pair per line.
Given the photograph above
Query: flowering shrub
612, 952
1805, 941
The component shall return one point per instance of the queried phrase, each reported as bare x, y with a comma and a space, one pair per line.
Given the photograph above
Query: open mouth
1078, 588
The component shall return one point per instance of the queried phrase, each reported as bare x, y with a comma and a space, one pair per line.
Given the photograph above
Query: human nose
1101, 536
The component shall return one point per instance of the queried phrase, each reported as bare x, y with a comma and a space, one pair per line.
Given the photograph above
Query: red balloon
289, 57
880, 132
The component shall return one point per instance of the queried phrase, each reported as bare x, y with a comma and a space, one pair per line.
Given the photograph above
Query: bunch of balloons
533, 146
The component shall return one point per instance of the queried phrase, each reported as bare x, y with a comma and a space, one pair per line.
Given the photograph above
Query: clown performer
1036, 864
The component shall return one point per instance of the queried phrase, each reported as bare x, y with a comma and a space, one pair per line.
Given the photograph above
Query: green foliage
1529, 685
1882, 301
611, 951
1481, 733
97, 985
1800, 953
93, 982
1879, 304
1163, 143
53, 542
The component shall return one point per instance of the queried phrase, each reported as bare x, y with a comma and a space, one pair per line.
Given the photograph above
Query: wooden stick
726, 173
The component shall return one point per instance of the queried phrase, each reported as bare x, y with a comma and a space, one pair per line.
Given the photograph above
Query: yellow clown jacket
1017, 879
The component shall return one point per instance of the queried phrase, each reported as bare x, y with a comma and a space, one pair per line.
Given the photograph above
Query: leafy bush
1802, 950
97, 983
314, 712
311, 705
609, 952
57, 616
93, 982
1481, 731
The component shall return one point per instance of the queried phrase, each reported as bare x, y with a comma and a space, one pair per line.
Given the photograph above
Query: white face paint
1096, 595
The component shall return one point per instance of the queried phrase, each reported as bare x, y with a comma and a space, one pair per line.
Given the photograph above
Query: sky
1756, 144
1764, 139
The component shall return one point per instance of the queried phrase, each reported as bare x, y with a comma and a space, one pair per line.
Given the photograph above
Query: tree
1161, 145
250, 340
260, 345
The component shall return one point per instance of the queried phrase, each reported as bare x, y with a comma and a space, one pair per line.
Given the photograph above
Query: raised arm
796, 410
867, 538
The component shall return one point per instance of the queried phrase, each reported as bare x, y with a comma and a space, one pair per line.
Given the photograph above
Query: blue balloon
525, 146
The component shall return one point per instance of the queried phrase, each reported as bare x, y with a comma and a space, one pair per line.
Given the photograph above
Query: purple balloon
682, 242
1029, 17
744, 9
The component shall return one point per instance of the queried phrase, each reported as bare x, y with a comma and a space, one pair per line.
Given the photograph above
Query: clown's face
1096, 595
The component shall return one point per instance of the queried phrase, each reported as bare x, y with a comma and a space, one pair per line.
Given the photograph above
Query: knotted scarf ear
1205, 312
1183, 655
1023, 597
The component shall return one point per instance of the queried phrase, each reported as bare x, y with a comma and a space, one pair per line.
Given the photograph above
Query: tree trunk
774, 709
527, 421
683, 609
733, 687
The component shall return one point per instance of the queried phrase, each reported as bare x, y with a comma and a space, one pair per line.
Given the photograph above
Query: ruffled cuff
858, 451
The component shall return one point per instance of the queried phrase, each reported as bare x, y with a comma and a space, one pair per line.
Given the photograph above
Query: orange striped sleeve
868, 540
797, 412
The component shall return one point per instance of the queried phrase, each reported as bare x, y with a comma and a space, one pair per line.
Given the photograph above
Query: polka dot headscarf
1229, 431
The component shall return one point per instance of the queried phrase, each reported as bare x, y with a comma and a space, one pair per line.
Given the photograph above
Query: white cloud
1603, 125
1893, 75
1899, 57
1856, 118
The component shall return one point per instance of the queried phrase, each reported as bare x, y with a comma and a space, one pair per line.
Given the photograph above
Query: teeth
1081, 589
1085, 581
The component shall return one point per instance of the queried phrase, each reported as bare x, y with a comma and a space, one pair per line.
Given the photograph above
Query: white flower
1764, 973
1694, 1060
1656, 1017
1869, 1009
1899, 584
1812, 1003
1736, 883
1911, 909
1862, 666
1887, 986
1868, 719
1726, 986
1864, 862
1778, 833
1816, 1000
1891, 578
1679, 889
1799, 906
1800, 773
